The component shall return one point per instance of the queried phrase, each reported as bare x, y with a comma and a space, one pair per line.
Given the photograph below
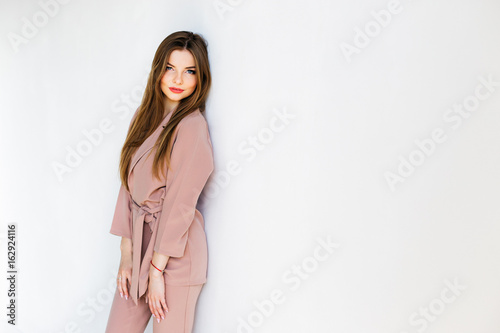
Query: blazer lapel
148, 144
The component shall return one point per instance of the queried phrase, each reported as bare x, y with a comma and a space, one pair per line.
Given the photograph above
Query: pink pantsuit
161, 216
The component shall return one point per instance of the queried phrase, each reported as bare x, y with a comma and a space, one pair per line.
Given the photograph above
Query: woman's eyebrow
174, 66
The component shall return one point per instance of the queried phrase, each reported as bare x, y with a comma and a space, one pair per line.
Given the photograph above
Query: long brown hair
152, 108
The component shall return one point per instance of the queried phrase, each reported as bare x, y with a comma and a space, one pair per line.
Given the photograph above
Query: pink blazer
168, 207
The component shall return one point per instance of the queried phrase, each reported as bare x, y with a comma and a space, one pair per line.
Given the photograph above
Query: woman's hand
125, 274
156, 295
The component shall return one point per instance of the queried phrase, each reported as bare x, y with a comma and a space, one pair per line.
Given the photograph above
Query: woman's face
179, 80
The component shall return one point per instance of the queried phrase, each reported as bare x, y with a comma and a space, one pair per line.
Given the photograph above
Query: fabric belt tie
144, 215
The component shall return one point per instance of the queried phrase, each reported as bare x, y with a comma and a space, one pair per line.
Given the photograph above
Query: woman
165, 162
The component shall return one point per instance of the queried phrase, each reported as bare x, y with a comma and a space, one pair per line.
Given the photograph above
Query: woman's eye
168, 67
190, 71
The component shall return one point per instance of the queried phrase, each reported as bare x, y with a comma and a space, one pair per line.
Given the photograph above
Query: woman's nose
178, 78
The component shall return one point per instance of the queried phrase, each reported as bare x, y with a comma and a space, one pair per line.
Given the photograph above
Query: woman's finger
151, 306
164, 303
159, 310
125, 286
119, 284
153, 311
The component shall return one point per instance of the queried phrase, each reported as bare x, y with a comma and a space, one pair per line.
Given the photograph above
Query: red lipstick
175, 90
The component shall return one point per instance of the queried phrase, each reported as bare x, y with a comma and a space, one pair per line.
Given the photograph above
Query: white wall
357, 105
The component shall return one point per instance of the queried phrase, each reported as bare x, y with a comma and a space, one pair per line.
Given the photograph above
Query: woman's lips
175, 90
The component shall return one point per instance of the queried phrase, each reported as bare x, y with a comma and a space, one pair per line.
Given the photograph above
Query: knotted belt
140, 269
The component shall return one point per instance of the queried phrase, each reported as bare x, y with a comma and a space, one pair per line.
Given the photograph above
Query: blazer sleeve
122, 219
191, 165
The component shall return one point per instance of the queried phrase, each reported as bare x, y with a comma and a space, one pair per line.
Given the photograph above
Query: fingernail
162, 317
158, 320
126, 297
121, 294
154, 315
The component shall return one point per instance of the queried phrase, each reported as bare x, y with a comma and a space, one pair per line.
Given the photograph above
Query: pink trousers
126, 317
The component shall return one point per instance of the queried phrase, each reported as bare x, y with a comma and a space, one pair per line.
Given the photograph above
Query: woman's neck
169, 107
